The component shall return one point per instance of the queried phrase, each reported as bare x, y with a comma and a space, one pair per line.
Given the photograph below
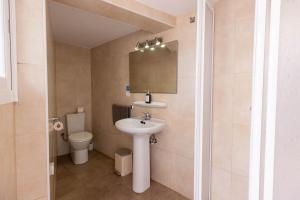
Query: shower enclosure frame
264, 93
199, 101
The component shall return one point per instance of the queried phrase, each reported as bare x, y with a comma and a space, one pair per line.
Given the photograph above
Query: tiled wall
7, 153
232, 98
30, 110
172, 157
23, 124
73, 85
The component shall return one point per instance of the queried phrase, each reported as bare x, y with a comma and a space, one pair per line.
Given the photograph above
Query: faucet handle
147, 115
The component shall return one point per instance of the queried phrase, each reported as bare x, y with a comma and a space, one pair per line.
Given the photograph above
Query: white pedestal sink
141, 130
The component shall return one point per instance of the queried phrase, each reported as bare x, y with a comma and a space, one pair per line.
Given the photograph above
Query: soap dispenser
148, 98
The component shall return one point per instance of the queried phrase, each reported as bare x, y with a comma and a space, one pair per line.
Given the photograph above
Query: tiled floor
96, 180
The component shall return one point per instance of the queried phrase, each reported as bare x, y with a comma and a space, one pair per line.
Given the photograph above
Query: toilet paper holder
57, 124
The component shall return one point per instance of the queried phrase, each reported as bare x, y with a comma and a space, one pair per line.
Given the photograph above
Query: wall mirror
154, 70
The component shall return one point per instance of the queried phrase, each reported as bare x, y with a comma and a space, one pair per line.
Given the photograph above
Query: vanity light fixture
150, 44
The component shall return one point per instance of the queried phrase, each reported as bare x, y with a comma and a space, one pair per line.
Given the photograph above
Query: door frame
271, 98
198, 158
257, 98
264, 99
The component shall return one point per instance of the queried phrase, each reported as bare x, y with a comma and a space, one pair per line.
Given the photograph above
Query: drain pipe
153, 139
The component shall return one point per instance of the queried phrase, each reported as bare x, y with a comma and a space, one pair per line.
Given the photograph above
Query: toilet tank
75, 122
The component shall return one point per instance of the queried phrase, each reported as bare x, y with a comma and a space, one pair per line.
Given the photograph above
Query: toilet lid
80, 136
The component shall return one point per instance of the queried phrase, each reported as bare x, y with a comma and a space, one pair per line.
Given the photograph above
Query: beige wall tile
244, 38
31, 166
183, 175
239, 187
7, 153
106, 143
224, 13
222, 146
110, 75
30, 110
30, 116
223, 99
73, 85
30, 37
244, 9
241, 149
161, 165
183, 141
224, 49
228, 186
242, 99
31, 83
232, 97
221, 184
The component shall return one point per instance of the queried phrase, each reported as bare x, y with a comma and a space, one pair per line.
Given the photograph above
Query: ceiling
81, 28
173, 7
85, 29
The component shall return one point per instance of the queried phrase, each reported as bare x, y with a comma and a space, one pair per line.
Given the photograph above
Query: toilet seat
80, 136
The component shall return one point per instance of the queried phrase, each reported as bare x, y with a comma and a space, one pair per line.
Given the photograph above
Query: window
8, 74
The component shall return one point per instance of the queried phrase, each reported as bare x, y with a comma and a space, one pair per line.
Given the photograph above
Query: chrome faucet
147, 116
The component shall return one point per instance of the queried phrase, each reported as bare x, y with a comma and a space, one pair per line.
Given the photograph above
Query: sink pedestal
141, 163
141, 130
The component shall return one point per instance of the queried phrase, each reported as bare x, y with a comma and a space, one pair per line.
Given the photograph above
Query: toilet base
80, 156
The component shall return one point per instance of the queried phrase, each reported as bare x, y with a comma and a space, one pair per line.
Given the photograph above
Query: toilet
79, 139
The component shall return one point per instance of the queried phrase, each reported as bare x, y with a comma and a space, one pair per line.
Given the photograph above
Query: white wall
287, 150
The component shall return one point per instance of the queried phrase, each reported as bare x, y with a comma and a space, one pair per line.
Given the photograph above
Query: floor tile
96, 180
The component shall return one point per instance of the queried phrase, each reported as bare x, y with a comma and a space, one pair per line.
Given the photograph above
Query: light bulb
158, 41
163, 45
147, 45
152, 48
142, 50
137, 47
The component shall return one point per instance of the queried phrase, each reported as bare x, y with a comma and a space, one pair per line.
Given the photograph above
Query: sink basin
139, 127
141, 130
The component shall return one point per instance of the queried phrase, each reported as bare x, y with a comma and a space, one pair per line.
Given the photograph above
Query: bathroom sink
137, 126
141, 130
